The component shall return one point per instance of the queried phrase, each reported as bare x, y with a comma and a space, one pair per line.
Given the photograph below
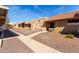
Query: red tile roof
65, 16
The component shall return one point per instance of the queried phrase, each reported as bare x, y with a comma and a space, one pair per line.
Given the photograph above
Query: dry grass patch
71, 36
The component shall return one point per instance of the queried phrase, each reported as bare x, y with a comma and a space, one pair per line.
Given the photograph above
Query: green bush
71, 36
50, 31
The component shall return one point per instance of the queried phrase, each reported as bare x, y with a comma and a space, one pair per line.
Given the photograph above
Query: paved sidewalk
35, 45
26, 32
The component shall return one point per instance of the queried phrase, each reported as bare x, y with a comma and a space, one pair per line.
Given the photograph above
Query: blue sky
21, 13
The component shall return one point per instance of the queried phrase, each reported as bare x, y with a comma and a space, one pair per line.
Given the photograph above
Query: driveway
14, 46
26, 32
11, 44
58, 42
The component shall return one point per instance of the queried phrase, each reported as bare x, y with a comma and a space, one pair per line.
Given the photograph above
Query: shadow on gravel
8, 33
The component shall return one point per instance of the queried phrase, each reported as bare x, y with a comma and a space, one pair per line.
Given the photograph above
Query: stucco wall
37, 24
71, 28
59, 25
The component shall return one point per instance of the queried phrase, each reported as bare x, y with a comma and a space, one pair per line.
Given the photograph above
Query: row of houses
22, 25
64, 23
35, 24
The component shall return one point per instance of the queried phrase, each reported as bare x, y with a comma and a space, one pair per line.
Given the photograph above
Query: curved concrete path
36, 46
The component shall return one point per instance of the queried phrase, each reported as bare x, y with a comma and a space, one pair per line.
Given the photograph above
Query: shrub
69, 36
50, 31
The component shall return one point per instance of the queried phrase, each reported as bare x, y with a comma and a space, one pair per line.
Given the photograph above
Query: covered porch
49, 25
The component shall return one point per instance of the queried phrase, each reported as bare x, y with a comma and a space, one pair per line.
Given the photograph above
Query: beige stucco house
3, 15
17, 25
22, 26
65, 23
27, 25
38, 24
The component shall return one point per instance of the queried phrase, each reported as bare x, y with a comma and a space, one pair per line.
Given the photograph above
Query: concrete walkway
36, 46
